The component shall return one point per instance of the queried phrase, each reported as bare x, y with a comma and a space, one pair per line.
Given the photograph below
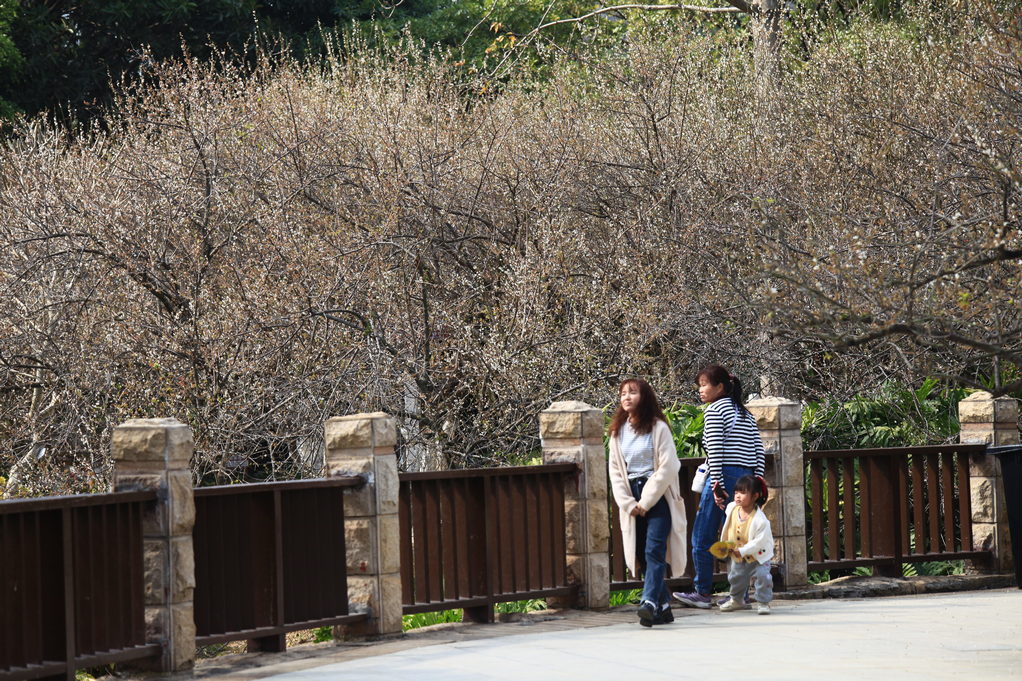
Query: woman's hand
720, 496
638, 510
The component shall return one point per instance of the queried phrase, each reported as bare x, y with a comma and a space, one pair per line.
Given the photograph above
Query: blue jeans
651, 533
706, 528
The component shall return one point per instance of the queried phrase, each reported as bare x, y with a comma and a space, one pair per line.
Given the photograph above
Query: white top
637, 451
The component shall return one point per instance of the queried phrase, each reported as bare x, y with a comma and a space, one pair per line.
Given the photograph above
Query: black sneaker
666, 616
649, 614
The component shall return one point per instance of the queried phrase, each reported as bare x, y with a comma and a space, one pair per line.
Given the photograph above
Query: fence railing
71, 584
270, 559
473, 538
885, 507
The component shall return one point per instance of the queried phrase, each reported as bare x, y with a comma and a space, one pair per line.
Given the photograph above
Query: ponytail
718, 375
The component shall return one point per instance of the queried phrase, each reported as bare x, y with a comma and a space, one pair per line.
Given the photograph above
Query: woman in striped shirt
733, 449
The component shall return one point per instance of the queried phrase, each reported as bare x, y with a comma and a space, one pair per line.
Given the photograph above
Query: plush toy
722, 549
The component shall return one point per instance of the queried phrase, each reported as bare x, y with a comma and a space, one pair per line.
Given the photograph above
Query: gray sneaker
692, 599
731, 605
762, 608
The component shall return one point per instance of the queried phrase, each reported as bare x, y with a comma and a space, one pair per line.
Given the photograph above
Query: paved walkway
975, 636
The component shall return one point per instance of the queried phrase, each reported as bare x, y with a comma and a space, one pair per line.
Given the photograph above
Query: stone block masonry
780, 422
573, 432
154, 454
994, 421
363, 445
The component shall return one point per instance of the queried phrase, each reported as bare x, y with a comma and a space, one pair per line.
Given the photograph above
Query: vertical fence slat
135, 600
467, 545
532, 546
501, 565
559, 539
948, 492
902, 489
449, 541
816, 510
436, 552
67, 561
31, 648
865, 505
404, 513
919, 502
422, 594
514, 509
545, 516
933, 499
964, 503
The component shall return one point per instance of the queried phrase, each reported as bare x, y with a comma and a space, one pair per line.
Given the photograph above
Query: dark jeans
651, 533
706, 527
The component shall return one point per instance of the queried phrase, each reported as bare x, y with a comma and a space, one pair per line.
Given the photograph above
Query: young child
747, 526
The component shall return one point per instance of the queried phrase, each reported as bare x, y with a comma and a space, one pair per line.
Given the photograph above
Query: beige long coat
663, 482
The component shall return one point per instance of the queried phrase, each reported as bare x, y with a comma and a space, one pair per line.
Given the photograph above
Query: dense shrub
254, 250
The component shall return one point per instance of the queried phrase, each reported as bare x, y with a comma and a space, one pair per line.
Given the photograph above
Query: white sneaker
762, 608
730, 605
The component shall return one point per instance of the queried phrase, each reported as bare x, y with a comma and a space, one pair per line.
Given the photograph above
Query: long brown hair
647, 413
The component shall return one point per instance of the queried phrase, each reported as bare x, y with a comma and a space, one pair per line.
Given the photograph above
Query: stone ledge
872, 587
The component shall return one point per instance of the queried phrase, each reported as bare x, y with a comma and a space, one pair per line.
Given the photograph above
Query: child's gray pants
741, 573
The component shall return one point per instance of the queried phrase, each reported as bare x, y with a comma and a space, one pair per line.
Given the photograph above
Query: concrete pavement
975, 636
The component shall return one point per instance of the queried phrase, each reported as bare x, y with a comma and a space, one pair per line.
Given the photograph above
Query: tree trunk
765, 23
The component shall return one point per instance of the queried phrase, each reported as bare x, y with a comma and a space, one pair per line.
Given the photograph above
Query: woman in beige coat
643, 469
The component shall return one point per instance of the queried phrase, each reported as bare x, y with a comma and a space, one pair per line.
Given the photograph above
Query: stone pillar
363, 445
155, 454
994, 421
572, 432
780, 426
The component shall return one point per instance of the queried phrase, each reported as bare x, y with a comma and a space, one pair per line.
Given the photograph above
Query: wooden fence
472, 538
270, 559
71, 584
885, 507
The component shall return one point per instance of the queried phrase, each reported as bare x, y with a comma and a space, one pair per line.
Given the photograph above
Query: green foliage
426, 619
894, 416
323, 634
687, 427
625, 597
62, 56
11, 59
934, 568
530, 605
72, 50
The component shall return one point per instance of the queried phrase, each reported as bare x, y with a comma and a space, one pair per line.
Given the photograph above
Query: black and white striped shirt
731, 438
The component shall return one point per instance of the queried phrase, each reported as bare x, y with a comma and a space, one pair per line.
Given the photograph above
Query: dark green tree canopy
62, 55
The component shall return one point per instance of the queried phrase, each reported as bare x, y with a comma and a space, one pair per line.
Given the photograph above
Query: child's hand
736, 554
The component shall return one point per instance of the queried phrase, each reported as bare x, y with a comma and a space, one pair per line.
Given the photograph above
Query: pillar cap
152, 440
775, 413
358, 431
982, 407
570, 419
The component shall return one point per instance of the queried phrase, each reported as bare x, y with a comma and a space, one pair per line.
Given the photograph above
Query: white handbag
699, 479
